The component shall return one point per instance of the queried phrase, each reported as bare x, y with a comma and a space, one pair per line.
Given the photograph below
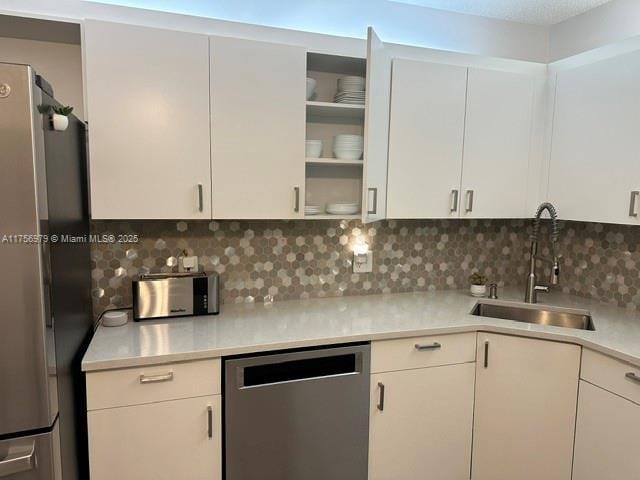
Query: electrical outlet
363, 262
188, 264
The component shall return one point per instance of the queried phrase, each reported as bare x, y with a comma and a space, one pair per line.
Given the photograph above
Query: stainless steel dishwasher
301, 415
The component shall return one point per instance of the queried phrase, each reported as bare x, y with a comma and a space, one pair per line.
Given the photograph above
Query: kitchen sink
580, 319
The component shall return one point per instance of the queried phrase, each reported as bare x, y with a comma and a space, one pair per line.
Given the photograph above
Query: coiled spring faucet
531, 294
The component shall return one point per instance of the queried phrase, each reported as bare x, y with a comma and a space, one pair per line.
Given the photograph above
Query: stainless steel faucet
531, 294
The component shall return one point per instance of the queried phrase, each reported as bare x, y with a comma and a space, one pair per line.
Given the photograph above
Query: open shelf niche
328, 179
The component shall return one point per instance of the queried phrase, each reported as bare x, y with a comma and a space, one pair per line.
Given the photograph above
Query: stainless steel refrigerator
45, 303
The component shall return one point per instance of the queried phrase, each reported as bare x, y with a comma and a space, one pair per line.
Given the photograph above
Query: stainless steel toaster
175, 295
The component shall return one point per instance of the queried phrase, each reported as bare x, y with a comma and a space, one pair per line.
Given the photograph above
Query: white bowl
348, 140
353, 154
311, 87
348, 136
313, 148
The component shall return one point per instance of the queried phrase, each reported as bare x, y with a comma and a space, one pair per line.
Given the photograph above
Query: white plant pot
478, 290
59, 122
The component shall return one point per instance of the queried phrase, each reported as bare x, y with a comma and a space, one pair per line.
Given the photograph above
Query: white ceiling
536, 12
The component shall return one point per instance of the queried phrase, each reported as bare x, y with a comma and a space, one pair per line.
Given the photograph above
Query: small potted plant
60, 118
478, 284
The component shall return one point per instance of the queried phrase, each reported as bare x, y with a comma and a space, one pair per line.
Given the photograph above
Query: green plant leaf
63, 110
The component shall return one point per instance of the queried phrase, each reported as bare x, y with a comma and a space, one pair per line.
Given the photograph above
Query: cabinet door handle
381, 398
296, 204
469, 207
454, 200
200, 198
374, 210
486, 354
210, 421
164, 377
433, 346
633, 377
632, 204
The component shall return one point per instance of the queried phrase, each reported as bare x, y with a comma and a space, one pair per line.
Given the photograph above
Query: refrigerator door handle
22, 460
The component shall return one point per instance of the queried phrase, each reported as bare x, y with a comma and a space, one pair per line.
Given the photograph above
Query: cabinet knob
296, 203
374, 209
381, 398
200, 198
454, 200
486, 354
469, 207
632, 204
633, 377
210, 421
165, 377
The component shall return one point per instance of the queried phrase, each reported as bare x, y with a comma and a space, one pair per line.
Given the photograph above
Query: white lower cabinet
158, 441
423, 429
525, 408
608, 424
421, 418
607, 436
161, 422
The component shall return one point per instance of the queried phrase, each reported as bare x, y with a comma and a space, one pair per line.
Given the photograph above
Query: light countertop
253, 328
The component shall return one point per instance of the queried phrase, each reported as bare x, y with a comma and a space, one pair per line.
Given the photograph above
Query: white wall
59, 63
610, 23
394, 22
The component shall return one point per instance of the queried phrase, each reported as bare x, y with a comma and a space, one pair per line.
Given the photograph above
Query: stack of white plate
351, 90
348, 147
312, 209
342, 208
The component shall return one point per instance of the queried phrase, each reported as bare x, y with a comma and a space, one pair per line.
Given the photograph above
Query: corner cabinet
595, 173
608, 424
459, 142
257, 129
422, 408
525, 408
147, 94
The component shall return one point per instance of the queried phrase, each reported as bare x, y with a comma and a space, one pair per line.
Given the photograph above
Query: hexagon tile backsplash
264, 261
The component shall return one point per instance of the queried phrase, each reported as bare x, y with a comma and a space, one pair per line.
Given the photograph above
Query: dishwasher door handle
298, 370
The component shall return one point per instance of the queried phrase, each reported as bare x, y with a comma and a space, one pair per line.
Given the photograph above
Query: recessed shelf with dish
333, 161
325, 216
332, 110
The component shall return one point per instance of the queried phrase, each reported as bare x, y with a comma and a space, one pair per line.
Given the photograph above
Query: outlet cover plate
363, 267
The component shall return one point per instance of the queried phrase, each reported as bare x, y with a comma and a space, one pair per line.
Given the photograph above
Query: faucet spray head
555, 271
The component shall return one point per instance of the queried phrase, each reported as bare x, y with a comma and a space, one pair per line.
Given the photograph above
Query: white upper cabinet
257, 129
376, 129
497, 144
595, 155
425, 139
147, 96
